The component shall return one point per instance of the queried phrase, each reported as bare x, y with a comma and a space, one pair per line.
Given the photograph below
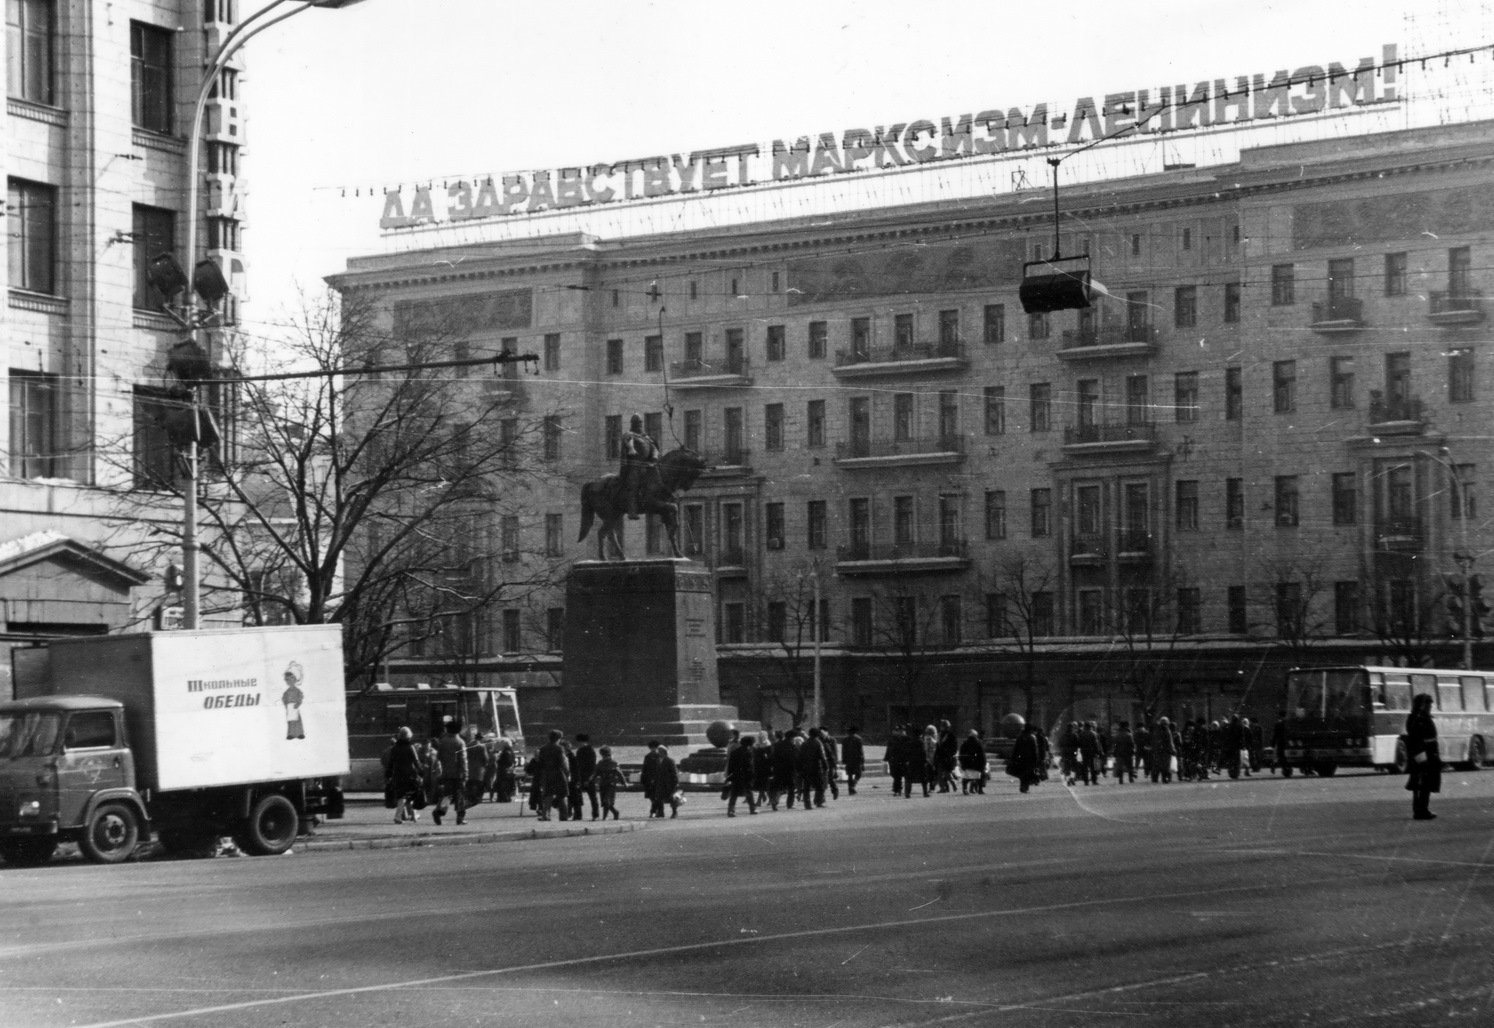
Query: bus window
1397, 692
1305, 694
1449, 693
1473, 692
1347, 694
1377, 691
1424, 685
1489, 692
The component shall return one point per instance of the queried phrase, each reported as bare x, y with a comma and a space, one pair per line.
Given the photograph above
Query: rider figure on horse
640, 455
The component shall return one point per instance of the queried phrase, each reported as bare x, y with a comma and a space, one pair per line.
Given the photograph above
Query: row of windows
903, 620
33, 249
906, 333
31, 63
1394, 402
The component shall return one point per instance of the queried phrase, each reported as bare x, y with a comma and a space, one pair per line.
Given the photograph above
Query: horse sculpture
602, 500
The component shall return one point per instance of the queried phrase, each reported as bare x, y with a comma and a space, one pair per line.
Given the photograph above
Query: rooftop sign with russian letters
1211, 103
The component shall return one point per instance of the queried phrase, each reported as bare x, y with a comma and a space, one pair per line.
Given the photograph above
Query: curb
391, 842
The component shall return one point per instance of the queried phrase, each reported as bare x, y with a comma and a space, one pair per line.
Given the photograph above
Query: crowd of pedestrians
571, 779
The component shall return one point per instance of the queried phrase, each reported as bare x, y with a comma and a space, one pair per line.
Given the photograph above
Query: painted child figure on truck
293, 698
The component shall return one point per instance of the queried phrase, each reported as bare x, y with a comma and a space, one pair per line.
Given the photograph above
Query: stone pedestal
640, 655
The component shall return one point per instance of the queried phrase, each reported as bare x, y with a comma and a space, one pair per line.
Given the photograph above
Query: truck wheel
271, 827
27, 852
111, 834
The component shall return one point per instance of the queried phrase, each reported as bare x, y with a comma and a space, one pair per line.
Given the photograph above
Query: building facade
100, 97
1265, 446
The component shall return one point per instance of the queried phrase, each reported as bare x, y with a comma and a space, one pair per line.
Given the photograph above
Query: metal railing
1382, 410
902, 551
1464, 301
699, 367
1078, 434
1338, 308
896, 354
1108, 335
1400, 533
731, 457
910, 447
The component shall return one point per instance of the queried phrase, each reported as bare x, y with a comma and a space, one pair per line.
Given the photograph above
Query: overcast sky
394, 91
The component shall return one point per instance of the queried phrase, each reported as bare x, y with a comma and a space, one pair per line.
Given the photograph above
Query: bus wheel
1402, 762
1286, 770
1325, 770
1476, 753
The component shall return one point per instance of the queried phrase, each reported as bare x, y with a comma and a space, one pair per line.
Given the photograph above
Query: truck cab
67, 774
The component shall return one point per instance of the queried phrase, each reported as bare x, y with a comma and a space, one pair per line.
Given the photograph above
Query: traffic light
1479, 605
1455, 605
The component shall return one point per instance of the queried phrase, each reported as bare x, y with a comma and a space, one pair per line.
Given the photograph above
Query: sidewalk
367, 825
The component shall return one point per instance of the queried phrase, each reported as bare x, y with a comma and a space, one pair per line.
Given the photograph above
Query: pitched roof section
16, 554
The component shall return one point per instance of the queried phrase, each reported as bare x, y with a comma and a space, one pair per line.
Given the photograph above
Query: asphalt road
1257, 902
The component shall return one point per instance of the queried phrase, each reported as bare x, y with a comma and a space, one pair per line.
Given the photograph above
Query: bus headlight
30, 809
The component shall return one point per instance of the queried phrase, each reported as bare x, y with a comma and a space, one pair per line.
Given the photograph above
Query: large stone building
1265, 446
98, 108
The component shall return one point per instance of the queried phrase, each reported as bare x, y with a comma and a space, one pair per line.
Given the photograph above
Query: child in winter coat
609, 778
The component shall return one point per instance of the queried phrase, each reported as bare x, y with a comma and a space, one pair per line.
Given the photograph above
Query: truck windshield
1330, 693
28, 735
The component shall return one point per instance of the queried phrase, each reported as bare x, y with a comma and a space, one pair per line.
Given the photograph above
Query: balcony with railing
1134, 544
1400, 534
910, 359
949, 554
1138, 437
1461, 307
730, 561
1337, 314
1087, 549
724, 372
914, 450
1395, 416
731, 462
1107, 342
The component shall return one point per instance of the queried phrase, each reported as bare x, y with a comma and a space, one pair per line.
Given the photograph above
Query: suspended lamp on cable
1059, 283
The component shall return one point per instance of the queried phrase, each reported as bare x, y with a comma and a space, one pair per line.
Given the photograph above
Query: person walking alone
451, 751
1423, 759
609, 779
853, 758
739, 777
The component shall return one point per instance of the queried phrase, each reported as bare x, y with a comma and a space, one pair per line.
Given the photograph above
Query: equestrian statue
646, 483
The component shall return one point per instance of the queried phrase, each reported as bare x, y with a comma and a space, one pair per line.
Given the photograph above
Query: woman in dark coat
972, 759
1026, 761
1423, 760
664, 784
405, 776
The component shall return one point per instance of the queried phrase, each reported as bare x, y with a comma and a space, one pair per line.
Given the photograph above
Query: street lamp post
236, 38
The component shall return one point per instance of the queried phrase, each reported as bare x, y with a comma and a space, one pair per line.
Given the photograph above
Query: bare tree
1147, 622
1407, 613
787, 620
1020, 612
911, 628
1297, 590
379, 499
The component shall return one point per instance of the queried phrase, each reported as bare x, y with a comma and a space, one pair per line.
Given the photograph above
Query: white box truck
192, 735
